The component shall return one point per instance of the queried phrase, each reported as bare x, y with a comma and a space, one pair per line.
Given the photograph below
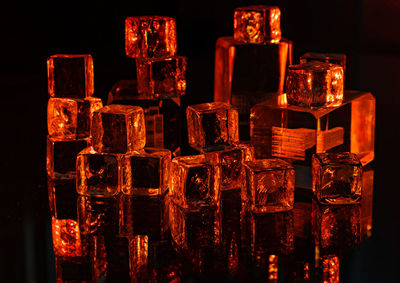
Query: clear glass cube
337, 178
147, 172
315, 84
270, 185
150, 37
118, 129
231, 162
257, 24
69, 118
195, 182
70, 75
61, 157
212, 126
161, 78
98, 174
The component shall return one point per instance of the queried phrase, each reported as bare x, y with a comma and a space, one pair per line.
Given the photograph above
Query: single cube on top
195, 182
257, 24
71, 118
161, 78
270, 185
118, 129
70, 75
150, 37
315, 84
333, 58
212, 126
147, 172
337, 178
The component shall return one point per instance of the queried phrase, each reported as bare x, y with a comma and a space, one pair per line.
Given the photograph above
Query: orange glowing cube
330, 269
150, 37
161, 78
337, 178
257, 24
66, 238
230, 162
333, 58
118, 129
146, 172
61, 157
98, 174
335, 227
195, 182
70, 75
294, 132
71, 118
270, 185
367, 201
315, 84
212, 126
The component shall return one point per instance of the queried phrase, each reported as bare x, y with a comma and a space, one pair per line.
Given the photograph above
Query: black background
366, 30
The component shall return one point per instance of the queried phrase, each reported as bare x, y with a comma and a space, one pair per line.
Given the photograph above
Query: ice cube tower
69, 110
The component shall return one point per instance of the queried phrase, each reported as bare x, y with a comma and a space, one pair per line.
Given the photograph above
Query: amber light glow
66, 238
330, 269
138, 254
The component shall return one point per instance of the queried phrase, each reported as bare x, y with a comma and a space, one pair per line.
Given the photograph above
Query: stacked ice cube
70, 85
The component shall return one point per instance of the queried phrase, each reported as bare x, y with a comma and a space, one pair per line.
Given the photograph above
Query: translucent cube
150, 37
287, 131
335, 228
118, 129
337, 178
162, 77
194, 230
70, 75
367, 201
98, 174
146, 172
257, 24
61, 157
62, 198
162, 117
97, 216
270, 185
333, 58
71, 118
67, 240
195, 182
212, 126
230, 162
142, 216
315, 84
247, 74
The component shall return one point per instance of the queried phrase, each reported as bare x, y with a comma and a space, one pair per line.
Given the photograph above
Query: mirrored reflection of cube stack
316, 115
161, 79
250, 67
69, 109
